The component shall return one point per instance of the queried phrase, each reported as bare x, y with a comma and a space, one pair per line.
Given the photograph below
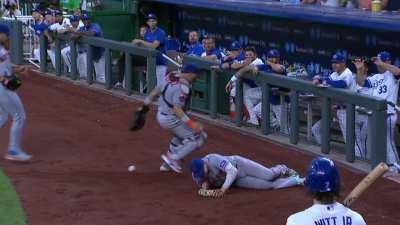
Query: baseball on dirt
131, 168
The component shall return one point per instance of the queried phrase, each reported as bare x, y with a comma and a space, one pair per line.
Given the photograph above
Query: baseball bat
368, 180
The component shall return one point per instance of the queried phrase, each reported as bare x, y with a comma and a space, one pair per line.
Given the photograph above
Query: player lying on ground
323, 183
218, 171
188, 135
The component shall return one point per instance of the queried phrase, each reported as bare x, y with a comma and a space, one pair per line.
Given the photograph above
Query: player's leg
161, 71
99, 68
3, 115
247, 167
341, 115
66, 55
12, 105
316, 131
256, 183
82, 64
52, 56
361, 131
252, 97
392, 155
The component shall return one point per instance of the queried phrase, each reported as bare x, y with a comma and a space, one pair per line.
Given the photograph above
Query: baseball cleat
300, 180
19, 156
172, 163
164, 167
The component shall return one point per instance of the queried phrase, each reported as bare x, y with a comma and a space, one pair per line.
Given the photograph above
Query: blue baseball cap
73, 18
235, 46
48, 12
86, 17
384, 56
197, 168
151, 16
273, 53
36, 10
190, 68
4, 29
338, 58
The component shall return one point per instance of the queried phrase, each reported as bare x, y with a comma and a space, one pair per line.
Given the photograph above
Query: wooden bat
377, 172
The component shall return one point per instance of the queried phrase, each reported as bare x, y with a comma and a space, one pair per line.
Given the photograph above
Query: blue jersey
157, 35
40, 28
195, 49
273, 98
98, 32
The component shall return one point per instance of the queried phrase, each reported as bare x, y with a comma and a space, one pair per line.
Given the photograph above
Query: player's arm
196, 126
392, 68
231, 174
276, 67
152, 45
238, 65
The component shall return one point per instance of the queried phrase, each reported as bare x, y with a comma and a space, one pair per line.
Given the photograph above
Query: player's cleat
17, 155
164, 167
291, 173
172, 163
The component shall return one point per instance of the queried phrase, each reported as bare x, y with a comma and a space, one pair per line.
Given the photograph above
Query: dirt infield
82, 149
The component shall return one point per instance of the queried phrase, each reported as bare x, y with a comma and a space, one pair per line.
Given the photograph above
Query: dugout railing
377, 119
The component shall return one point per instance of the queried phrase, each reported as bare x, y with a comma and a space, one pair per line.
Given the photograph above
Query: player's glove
11, 82
211, 193
139, 118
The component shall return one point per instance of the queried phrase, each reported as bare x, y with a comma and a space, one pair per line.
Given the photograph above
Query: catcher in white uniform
323, 183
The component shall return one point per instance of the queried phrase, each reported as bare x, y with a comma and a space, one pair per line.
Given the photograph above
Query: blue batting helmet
273, 53
197, 168
322, 176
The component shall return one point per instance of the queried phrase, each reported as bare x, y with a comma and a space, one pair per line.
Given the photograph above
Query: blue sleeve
263, 67
160, 36
199, 50
96, 29
337, 83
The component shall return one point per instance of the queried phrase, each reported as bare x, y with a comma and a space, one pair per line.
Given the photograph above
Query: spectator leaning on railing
66, 52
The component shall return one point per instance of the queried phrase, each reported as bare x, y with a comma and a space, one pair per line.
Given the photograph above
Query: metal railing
376, 126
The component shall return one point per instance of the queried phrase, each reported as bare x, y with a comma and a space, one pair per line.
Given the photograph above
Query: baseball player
188, 135
323, 183
210, 51
343, 78
252, 96
385, 85
92, 30
195, 48
361, 118
218, 171
250, 58
155, 38
10, 103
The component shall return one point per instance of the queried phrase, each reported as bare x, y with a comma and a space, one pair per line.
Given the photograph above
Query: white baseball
131, 168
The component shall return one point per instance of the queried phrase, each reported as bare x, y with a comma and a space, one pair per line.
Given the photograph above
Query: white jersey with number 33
333, 214
385, 86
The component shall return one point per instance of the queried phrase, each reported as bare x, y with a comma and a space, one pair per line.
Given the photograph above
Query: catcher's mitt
11, 82
210, 193
139, 118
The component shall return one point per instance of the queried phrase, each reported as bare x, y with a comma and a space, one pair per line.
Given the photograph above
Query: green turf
11, 212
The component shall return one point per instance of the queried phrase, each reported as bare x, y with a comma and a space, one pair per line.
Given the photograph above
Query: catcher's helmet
322, 176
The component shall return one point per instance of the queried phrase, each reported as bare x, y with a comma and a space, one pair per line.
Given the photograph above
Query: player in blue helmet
323, 183
10, 103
